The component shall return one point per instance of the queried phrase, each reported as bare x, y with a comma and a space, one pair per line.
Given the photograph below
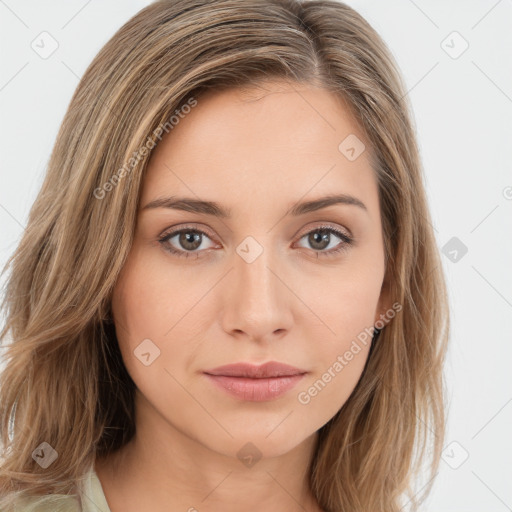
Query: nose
257, 300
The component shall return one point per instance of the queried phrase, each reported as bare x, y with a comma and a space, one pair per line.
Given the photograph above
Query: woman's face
268, 281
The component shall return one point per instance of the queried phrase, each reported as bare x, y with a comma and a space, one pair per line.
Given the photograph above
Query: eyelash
342, 247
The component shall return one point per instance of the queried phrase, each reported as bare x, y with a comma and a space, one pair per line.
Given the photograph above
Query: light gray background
463, 113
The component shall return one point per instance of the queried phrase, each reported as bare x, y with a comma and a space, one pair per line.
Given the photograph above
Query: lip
256, 383
254, 371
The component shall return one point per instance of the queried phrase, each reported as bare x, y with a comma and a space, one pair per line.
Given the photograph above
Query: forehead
278, 141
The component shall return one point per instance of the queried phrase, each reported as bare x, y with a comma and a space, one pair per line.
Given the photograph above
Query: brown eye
319, 239
187, 242
324, 237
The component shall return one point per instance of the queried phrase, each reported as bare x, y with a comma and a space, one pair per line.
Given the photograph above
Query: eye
188, 240
321, 238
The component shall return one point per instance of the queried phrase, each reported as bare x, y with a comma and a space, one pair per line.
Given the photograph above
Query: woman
228, 292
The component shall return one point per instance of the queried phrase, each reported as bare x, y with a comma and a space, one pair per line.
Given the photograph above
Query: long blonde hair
64, 381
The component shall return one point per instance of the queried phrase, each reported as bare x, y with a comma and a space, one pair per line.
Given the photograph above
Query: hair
64, 380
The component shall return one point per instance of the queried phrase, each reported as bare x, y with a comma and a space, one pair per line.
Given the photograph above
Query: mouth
255, 383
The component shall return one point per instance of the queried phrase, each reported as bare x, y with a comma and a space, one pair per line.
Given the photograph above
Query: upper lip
266, 370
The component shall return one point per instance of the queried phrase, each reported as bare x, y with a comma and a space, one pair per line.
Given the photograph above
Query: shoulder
91, 494
50, 503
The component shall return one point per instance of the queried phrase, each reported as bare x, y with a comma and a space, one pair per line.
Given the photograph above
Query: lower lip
255, 390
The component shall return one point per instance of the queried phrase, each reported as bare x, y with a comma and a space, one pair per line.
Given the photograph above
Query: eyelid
192, 226
319, 224
304, 231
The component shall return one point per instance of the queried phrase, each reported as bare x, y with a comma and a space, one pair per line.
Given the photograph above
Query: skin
256, 151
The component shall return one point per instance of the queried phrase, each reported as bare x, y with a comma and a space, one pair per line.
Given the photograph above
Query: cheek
347, 307
323, 395
346, 302
338, 364
157, 318
152, 298
148, 318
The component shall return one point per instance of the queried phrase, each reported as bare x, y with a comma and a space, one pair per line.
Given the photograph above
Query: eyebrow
192, 205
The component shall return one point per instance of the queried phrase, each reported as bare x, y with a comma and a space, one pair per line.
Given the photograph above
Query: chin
262, 443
